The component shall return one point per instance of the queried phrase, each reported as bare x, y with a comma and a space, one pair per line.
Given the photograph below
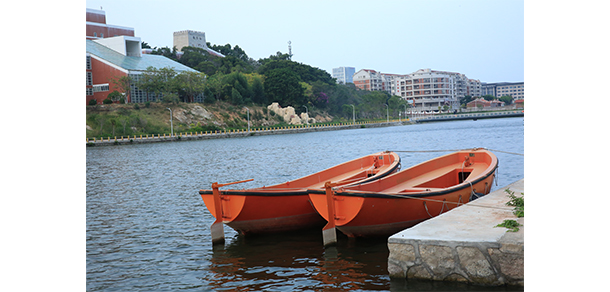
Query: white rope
454, 150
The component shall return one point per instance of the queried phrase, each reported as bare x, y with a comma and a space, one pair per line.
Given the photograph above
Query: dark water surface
148, 229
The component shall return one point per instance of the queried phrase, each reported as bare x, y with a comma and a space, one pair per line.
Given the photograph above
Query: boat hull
250, 213
286, 207
370, 211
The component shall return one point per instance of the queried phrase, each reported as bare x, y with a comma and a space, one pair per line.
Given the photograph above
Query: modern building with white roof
112, 58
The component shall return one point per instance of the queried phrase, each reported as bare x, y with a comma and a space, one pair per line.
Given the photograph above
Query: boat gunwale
269, 191
366, 194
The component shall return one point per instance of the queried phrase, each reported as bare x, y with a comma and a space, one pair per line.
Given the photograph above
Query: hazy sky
482, 39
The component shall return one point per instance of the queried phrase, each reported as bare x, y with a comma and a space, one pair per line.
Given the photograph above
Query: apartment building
474, 88
427, 89
344, 75
367, 79
371, 80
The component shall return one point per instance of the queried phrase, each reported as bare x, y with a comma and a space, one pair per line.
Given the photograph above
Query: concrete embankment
463, 244
109, 141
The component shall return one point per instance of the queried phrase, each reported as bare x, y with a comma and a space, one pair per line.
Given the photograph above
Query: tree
507, 99
236, 97
214, 86
466, 99
122, 84
191, 84
282, 86
115, 96
258, 90
124, 120
489, 97
159, 81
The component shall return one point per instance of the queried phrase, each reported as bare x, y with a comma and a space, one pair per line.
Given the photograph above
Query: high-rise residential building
344, 75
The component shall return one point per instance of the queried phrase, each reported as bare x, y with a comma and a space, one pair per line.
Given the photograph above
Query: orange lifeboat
286, 206
405, 198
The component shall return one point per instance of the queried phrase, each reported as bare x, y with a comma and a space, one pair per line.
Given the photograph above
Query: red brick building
97, 27
110, 57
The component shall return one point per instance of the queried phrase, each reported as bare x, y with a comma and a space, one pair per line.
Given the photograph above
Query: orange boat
405, 198
286, 206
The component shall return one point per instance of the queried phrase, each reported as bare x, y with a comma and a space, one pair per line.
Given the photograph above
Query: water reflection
298, 261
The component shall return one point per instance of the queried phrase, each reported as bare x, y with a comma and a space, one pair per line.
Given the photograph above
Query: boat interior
429, 176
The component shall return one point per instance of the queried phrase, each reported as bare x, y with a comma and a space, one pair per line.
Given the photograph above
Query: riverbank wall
142, 139
464, 244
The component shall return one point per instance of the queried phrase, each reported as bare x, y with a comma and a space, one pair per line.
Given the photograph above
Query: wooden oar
329, 232
218, 234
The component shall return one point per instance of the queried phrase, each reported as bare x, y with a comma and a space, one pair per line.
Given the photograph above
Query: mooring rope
453, 150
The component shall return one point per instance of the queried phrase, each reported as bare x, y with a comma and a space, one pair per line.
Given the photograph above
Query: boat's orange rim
304, 192
363, 194
459, 187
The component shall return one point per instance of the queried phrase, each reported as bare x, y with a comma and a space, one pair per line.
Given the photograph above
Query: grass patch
512, 225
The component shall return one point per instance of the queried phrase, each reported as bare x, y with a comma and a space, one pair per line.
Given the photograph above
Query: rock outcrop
289, 115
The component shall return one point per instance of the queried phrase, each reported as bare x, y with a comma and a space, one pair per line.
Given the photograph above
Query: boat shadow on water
299, 259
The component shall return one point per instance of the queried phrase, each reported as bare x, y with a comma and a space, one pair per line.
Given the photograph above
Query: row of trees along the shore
241, 80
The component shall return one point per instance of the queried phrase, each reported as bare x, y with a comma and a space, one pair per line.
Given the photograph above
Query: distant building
114, 52
427, 89
96, 27
514, 89
191, 38
473, 88
481, 102
371, 80
112, 58
344, 75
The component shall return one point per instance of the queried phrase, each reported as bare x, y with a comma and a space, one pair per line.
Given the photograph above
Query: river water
148, 229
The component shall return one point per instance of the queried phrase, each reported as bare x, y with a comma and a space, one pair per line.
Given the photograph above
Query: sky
482, 39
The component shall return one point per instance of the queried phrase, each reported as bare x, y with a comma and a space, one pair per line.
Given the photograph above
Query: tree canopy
239, 79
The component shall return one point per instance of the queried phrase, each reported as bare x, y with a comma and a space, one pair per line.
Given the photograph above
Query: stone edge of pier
463, 245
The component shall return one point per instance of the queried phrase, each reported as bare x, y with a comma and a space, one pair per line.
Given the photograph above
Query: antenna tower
289, 50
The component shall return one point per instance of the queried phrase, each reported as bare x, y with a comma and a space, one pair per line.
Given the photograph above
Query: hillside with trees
238, 80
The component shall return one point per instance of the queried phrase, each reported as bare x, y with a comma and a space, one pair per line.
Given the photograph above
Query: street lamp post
307, 113
387, 108
353, 114
171, 122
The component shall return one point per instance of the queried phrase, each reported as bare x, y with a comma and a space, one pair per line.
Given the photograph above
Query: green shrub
107, 101
93, 102
516, 202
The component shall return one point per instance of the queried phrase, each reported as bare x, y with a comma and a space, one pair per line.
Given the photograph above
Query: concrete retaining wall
463, 245
221, 135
